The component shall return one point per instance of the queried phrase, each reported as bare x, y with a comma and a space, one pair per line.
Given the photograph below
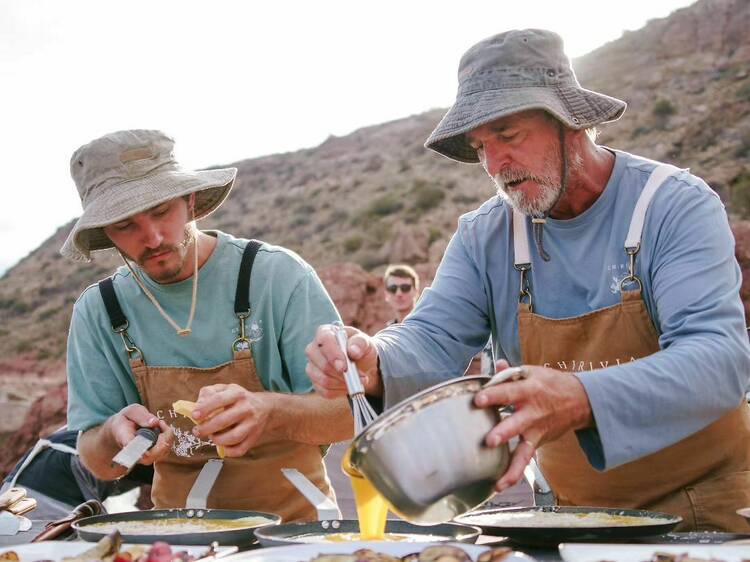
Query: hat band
516, 78
101, 189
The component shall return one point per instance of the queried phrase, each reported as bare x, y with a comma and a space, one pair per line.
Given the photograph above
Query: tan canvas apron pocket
715, 502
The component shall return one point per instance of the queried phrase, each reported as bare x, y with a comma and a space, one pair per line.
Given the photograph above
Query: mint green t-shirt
287, 299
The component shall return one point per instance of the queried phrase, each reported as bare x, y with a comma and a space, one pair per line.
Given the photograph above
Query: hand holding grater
131, 453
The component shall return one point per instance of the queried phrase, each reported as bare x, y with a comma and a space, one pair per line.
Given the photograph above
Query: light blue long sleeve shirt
691, 284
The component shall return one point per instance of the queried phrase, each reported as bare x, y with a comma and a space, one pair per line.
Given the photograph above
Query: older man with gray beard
624, 312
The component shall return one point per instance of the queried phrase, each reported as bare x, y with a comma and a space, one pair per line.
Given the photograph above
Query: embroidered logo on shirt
617, 273
255, 333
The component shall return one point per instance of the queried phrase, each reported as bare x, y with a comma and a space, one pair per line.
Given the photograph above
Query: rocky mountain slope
377, 195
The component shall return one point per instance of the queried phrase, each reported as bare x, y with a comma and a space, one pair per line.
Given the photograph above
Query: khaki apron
704, 478
253, 481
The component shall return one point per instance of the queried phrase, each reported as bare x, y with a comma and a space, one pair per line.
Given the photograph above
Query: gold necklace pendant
184, 332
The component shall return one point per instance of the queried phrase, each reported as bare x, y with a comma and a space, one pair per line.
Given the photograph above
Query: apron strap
657, 177
117, 318
114, 311
522, 256
633, 239
242, 296
38, 448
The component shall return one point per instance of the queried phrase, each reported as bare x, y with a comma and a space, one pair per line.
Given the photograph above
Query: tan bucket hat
128, 172
512, 72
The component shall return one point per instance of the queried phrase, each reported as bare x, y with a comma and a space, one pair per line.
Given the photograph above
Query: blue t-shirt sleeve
308, 307
95, 392
449, 325
691, 287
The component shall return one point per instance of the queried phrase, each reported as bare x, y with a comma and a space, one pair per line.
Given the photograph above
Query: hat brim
576, 107
126, 199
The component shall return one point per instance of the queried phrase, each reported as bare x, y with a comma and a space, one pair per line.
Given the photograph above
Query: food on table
683, 557
186, 407
108, 549
555, 519
105, 549
178, 525
349, 537
429, 554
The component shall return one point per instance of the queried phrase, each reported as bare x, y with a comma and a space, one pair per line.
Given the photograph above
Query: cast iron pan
242, 537
292, 533
548, 535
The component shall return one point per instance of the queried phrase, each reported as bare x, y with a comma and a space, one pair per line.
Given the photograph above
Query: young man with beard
609, 278
192, 315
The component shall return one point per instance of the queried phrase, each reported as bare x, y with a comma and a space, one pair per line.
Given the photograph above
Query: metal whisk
363, 413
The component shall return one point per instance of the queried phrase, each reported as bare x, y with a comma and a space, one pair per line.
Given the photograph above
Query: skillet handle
198, 495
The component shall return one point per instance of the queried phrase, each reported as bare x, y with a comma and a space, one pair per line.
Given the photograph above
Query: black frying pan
242, 537
292, 533
548, 535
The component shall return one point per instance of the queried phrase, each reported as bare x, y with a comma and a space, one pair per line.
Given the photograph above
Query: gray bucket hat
511, 72
128, 172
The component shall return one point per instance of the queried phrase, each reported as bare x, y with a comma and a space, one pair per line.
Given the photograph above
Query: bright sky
235, 79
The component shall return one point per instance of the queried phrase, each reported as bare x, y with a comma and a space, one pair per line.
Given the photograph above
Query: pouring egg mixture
372, 509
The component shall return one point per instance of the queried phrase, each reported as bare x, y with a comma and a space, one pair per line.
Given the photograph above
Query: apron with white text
703, 478
253, 481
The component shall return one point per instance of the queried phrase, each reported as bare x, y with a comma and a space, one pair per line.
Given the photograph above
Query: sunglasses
405, 288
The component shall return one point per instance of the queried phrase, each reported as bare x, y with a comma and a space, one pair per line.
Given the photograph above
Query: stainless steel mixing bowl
427, 455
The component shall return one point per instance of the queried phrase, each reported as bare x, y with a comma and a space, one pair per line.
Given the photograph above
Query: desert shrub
461, 199
371, 260
373, 164
383, 206
743, 92
23, 347
434, 234
280, 200
14, 305
337, 216
427, 196
740, 195
352, 243
47, 313
663, 109
638, 131
743, 149
301, 220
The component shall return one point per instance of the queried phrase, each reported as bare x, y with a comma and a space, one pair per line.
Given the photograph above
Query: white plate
57, 550
298, 552
573, 552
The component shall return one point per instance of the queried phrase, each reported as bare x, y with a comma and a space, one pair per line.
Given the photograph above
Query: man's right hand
124, 424
326, 363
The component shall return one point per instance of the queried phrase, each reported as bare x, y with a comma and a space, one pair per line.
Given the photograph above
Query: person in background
401, 290
192, 315
609, 279
52, 473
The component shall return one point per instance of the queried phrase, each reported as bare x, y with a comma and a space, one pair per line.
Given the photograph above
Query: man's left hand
232, 416
547, 403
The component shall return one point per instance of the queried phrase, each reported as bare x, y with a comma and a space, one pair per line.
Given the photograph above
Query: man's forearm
310, 418
97, 447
